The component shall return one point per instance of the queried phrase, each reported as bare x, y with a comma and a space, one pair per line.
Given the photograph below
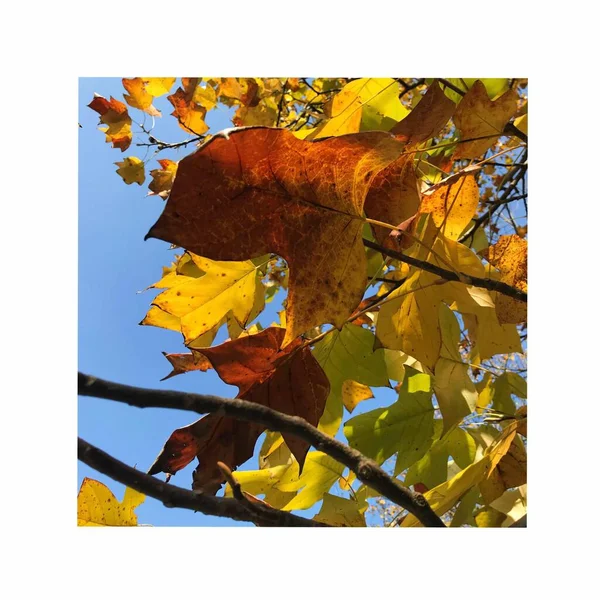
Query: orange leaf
259, 190
162, 179
114, 114
189, 114
478, 116
287, 381
186, 362
509, 256
427, 118
138, 97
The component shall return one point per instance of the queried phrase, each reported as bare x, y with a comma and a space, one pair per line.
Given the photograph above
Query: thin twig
367, 470
175, 497
488, 284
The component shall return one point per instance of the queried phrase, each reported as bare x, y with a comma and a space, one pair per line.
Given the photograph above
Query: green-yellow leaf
159, 86
319, 474
341, 512
348, 354
454, 389
97, 506
405, 427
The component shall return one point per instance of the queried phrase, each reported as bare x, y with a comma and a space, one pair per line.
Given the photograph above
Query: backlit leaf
117, 120
138, 96
478, 116
343, 355
341, 512
131, 169
97, 506
261, 190
188, 113
405, 427
162, 179
186, 362
287, 381
158, 86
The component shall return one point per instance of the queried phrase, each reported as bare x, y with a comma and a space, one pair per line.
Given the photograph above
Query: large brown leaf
289, 380
256, 190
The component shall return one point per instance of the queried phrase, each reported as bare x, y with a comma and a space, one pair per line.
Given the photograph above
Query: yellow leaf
158, 86
521, 124
97, 506
477, 116
369, 99
452, 385
189, 114
444, 496
341, 512
509, 255
513, 504
409, 320
452, 205
115, 116
353, 393
138, 96
205, 96
203, 302
319, 474
131, 170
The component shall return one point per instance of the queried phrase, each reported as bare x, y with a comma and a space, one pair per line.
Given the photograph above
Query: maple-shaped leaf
138, 96
186, 362
432, 468
405, 427
427, 118
319, 474
477, 116
188, 113
509, 256
259, 190
97, 506
117, 120
202, 302
158, 86
348, 355
131, 170
289, 380
162, 179
511, 472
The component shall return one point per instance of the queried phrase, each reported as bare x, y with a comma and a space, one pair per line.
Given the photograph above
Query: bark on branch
488, 284
175, 497
367, 470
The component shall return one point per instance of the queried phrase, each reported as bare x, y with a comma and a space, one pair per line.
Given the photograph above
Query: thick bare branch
175, 497
367, 470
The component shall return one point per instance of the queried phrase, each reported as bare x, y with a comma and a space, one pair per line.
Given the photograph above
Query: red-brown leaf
289, 380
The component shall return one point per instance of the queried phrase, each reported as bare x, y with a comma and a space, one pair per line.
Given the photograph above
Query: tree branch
488, 284
175, 497
367, 470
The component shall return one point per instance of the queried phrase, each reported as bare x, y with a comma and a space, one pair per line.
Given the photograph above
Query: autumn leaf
290, 381
454, 389
186, 362
162, 179
158, 86
427, 118
432, 468
405, 427
509, 256
319, 474
139, 97
117, 120
201, 303
478, 116
131, 170
188, 113
341, 512
444, 496
343, 355
261, 190
510, 472
353, 393
97, 506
